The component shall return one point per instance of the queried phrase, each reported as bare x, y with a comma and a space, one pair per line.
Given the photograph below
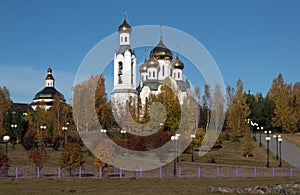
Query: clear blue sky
252, 40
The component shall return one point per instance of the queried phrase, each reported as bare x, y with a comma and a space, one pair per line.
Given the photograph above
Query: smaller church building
45, 97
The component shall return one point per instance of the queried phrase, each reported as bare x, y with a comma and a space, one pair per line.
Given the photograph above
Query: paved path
290, 152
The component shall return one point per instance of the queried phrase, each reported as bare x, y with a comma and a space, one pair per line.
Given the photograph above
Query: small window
179, 75
125, 39
163, 70
149, 74
153, 73
174, 75
121, 39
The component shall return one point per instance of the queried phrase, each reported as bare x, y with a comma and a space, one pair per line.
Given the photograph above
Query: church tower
49, 80
124, 67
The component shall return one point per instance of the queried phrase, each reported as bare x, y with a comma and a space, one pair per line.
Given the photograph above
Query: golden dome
177, 64
161, 52
143, 67
124, 27
152, 63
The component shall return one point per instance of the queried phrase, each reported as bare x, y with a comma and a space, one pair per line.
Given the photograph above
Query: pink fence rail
161, 172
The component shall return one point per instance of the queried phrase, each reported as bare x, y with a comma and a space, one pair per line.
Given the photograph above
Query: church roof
49, 75
154, 85
161, 50
22, 107
143, 67
177, 64
48, 93
124, 48
124, 27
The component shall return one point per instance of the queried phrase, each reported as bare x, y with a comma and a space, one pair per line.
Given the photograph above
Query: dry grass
293, 138
232, 154
128, 186
229, 154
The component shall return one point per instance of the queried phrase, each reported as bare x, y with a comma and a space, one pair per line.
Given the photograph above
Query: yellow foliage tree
104, 154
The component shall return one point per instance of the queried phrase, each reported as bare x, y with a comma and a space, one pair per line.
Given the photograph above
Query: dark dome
49, 75
143, 67
48, 93
152, 63
161, 51
124, 27
177, 64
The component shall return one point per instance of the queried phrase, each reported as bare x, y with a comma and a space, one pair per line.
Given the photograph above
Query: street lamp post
280, 141
6, 139
276, 137
123, 136
177, 135
65, 138
255, 125
13, 127
43, 128
193, 137
260, 131
268, 138
174, 138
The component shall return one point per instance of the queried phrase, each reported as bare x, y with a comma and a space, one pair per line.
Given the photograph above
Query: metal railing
162, 172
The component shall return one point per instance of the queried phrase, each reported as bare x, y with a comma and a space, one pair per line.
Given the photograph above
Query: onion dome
161, 52
177, 64
124, 27
49, 75
152, 63
143, 67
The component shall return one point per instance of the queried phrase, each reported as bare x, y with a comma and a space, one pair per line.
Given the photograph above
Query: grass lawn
293, 138
229, 154
128, 186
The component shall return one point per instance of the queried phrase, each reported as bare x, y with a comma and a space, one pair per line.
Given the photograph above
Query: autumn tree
4, 161
38, 156
199, 136
218, 108
247, 144
84, 102
5, 103
206, 99
238, 112
170, 101
103, 108
104, 155
71, 156
30, 139
285, 113
296, 102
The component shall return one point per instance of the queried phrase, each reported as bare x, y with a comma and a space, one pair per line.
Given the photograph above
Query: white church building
45, 98
153, 72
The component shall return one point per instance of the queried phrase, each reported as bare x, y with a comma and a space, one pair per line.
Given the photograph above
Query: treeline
279, 111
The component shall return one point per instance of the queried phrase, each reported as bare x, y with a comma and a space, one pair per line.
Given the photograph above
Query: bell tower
124, 66
49, 80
